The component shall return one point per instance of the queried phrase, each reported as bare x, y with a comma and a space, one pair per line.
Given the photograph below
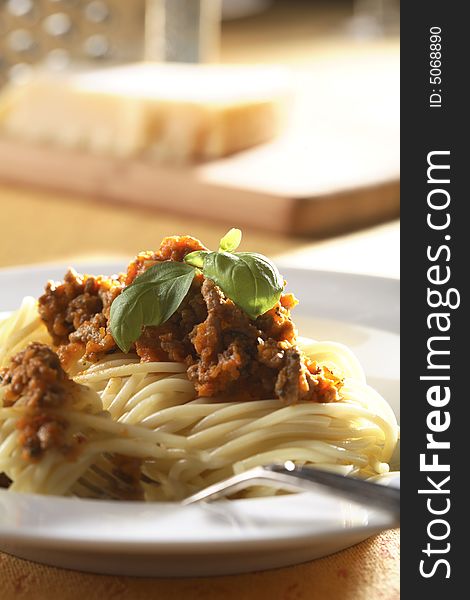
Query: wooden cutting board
335, 167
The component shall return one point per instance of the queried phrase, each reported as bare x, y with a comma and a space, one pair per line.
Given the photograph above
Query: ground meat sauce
258, 357
76, 313
36, 381
172, 248
226, 352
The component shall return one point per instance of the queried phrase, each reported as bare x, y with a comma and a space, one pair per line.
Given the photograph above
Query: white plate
134, 538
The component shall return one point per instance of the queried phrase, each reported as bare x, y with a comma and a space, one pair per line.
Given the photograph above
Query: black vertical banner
435, 323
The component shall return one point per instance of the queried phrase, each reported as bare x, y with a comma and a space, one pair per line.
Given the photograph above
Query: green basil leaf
196, 258
162, 272
127, 315
230, 241
250, 280
151, 299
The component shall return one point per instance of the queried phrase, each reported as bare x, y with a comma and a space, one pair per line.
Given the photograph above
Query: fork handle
358, 490
294, 478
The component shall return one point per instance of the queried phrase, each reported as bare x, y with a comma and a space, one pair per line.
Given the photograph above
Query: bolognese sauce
226, 352
36, 381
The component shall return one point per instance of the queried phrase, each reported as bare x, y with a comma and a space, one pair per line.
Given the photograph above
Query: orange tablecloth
367, 571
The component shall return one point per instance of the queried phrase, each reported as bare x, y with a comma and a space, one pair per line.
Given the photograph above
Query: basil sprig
151, 299
250, 280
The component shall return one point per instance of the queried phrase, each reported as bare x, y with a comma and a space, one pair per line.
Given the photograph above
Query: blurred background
307, 129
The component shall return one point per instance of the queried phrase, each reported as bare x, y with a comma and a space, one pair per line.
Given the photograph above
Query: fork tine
237, 483
104, 480
101, 480
84, 488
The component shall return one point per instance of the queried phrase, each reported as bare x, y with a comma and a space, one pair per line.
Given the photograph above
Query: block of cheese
174, 112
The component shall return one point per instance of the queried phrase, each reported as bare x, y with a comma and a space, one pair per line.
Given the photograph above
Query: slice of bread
172, 112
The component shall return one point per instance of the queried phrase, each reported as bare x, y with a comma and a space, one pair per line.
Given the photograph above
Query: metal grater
60, 33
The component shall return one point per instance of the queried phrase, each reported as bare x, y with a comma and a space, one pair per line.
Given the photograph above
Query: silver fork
289, 476
285, 476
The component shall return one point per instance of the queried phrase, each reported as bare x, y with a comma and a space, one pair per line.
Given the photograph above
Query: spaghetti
145, 424
189, 442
